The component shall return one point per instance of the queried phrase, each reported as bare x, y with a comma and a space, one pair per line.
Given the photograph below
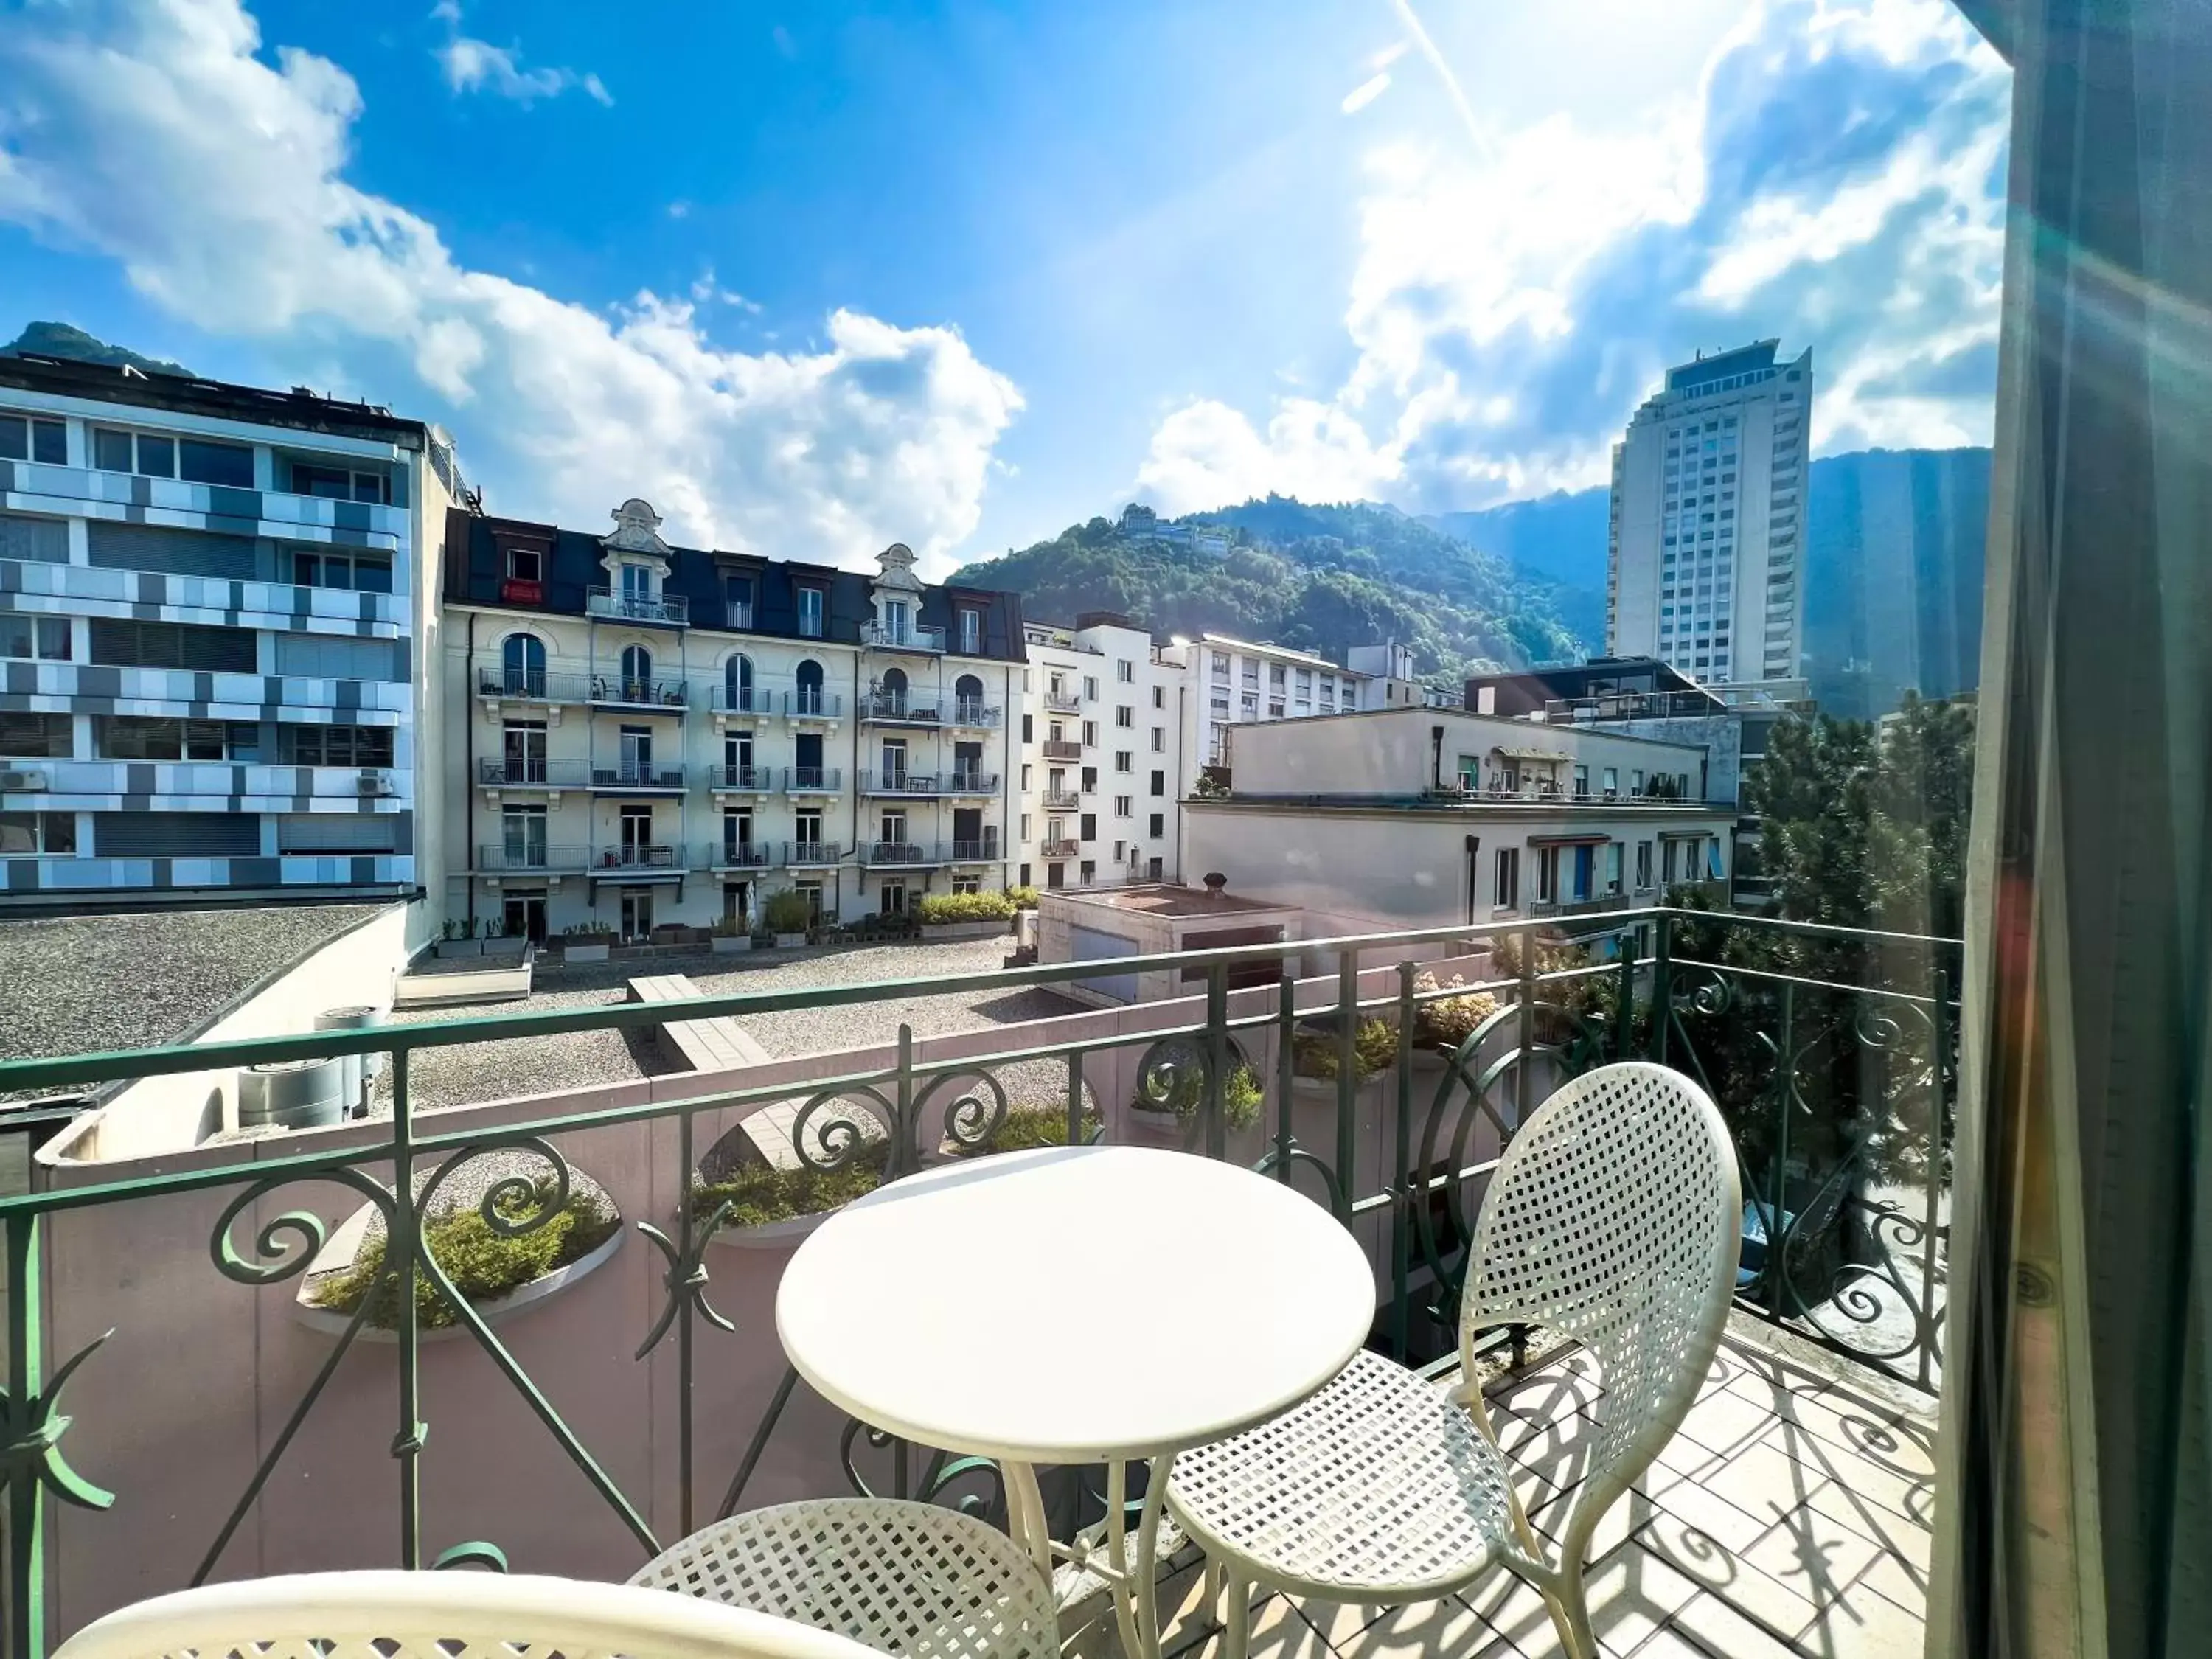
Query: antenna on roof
132, 371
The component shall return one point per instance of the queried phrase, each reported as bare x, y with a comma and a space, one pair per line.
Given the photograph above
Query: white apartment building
1707, 526
1228, 682
642, 734
1416, 816
1102, 771
214, 604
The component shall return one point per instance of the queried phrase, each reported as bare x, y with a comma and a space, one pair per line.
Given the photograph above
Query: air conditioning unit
23, 781
376, 783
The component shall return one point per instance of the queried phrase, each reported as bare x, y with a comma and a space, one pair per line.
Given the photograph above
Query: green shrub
760, 1194
966, 907
483, 1264
787, 912
1373, 1047
1025, 1127
1450, 1020
1025, 898
1241, 1099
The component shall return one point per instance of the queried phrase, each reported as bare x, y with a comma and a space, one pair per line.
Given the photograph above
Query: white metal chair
442, 1615
915, 1580
1614, 1217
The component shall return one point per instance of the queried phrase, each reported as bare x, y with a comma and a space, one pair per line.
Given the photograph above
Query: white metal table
941, 1309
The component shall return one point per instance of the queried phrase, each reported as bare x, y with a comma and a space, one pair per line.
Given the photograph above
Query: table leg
1026, 1518
1136, 1593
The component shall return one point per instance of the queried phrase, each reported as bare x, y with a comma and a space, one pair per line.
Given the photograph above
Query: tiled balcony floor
1790, 1516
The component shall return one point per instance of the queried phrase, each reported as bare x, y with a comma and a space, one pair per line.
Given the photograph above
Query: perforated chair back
915, 1580
442, 1615
1614, 1216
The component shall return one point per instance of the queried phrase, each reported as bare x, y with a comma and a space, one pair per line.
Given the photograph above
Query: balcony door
808, 700
636, 674
968, 764
807, 827
968, 831
895, 826
636, 914
636, 833
737, 838
523, 916
898, 621
894, 757
522, 666
806, 756
738, 758
636, 588
525, 742
637, 753
523, 831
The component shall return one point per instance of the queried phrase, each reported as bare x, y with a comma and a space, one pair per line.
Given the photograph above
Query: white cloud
1365, 93
473, 65
153, 131
1834, 179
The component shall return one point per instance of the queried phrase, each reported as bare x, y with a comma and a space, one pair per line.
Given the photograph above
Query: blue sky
811, 278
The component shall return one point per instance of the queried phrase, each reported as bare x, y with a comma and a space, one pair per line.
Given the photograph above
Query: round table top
1075, 1304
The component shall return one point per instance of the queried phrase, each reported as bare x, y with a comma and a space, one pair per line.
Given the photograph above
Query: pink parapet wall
202, 1373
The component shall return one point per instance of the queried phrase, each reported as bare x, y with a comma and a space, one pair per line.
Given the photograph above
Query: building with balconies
1102, 755
1421, 816
710, 726
214, 600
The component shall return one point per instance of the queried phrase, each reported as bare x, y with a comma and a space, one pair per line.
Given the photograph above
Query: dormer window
636, 582
898, 618
971, 631
810, 613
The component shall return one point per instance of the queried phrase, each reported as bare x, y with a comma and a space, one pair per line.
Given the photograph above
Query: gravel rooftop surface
474, 1071
83, 984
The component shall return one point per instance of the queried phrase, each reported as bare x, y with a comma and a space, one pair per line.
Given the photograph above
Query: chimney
1214, 882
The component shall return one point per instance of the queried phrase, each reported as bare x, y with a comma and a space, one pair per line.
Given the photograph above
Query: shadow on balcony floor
1788, 1517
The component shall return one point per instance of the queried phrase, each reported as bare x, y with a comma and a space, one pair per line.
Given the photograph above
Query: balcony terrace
899, 708
1061, 749
496, 772
1063, 702
973, 714
656, 610
811, 780
496, 859
1061, 800
656, 696
738, 855
813, 854
583, 1430
652, 779
741, 780
896, 854
913, 639
556, 686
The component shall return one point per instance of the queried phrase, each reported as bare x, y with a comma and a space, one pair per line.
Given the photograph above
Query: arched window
737, 686
810, 687
522, 666
967, 695
637, 674
894, 699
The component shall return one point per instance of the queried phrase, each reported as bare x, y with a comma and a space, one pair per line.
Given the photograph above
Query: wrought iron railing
613, 604
899, 706
617, 691
1832, 1053
534, 684
531, 772
753, 779
810, 780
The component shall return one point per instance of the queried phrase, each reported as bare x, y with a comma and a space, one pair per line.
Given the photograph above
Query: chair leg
1581, 1642
1214, 1574
1239, 1634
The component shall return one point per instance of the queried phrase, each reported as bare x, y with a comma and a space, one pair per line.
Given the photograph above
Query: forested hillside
1319, 578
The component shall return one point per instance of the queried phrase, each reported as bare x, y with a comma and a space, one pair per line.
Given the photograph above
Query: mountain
60, 340
1318, 577
1894, 545
1557, 543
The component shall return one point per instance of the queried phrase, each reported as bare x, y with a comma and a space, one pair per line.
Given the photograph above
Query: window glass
111, 451
157, 457
201, 461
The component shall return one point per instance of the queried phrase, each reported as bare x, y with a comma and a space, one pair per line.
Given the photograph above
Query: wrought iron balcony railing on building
533, 685
966, 781
1063, 702
893, 853
747, 779
812, 703
1061, 749
757, 699
638, 855
495, 772
1062, 801
613, 691
662, 610
913, 637
1060, 847
809, 855
1831, 1054
496, 858
976, 714
655, 779
898, 709
921, 784
985, 851
810, 780
737, 854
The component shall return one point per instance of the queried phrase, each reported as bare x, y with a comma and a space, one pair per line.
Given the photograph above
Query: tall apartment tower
215, 602
1707, 530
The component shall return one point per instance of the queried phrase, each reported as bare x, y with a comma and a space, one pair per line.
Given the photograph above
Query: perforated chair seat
911, 1579
1379, 1487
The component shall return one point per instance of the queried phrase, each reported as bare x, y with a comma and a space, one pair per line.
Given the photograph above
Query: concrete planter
584, 952
938, 930
782, 1235
790, 941
331, 1322
731, 944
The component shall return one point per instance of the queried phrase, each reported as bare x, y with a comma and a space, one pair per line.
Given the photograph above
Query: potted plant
587, 941
1173, 1116
772, 1208
1023, 898
1314, 1055
731, 935
495, 1272
788, 916
1442, 1025
964, 915
1025, 1127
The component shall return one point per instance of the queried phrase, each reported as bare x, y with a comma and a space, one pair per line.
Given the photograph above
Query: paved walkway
1789, 1517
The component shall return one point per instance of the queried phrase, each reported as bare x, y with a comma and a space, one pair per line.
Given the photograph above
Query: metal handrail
637, 777
916, 636
532, 774
820, 780
611, 603
642, 856
614, 690
757, 779
499, 857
